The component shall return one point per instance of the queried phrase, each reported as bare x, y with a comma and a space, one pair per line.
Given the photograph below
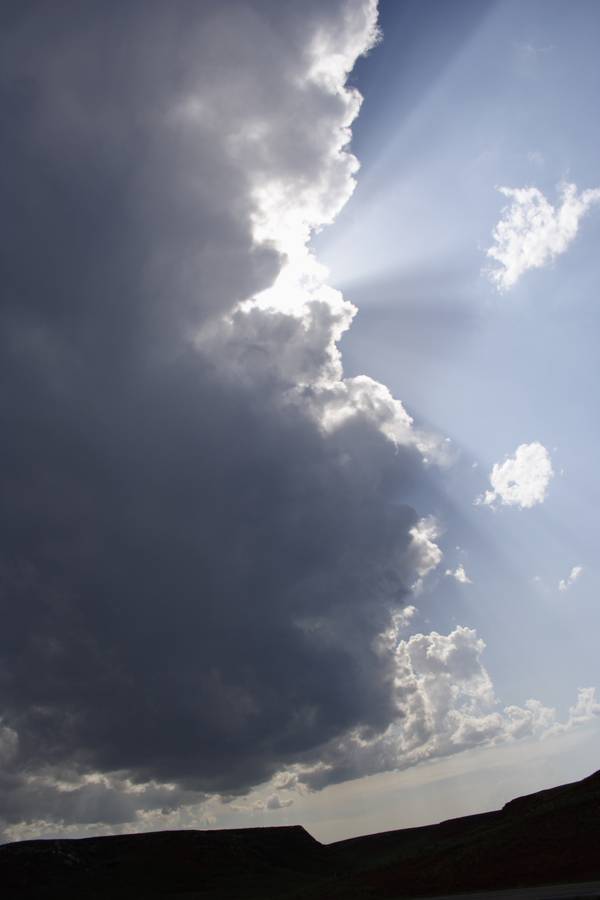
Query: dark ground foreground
550, 838
586, 890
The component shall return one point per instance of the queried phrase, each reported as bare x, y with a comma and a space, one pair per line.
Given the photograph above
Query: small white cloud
532, 232
459, 574
565, 583
521, 480
586, 708
403, 618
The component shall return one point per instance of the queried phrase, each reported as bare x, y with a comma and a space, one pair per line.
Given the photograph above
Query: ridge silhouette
549, 837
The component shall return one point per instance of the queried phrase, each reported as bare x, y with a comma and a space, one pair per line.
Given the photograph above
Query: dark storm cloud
44, 800
193, 569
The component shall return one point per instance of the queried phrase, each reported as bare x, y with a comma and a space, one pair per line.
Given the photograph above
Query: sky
299, 479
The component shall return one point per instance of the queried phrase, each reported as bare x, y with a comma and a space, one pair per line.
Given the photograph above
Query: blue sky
460, 100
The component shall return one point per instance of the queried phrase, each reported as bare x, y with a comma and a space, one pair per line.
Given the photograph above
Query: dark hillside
245, 862
549, 837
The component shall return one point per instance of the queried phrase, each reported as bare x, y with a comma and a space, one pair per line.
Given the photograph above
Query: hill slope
543, 838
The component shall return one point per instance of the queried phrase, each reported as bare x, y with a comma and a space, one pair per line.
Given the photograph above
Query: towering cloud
203, 530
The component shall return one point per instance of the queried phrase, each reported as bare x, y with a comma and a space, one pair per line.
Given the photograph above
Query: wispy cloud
532, 232
534, 156
565, 583
521, 480
527, 48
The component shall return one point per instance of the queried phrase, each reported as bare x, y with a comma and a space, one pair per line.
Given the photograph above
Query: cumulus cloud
274, 801
565, 583
585, 709
204, 536
532, 232
459, 574
423, 551
521, 480
448, 704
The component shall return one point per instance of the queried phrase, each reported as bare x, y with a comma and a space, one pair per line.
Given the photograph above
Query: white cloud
459, 574
423, 552
585, 709
521, 480
446, 704
565, 583
532, 232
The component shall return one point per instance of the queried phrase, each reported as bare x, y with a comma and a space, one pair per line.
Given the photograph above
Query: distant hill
549, 837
